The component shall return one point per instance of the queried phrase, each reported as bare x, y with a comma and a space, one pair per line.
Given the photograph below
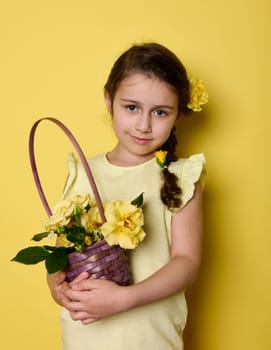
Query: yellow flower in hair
198, 95
161, 158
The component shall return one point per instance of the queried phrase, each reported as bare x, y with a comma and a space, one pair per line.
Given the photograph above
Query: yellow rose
61, 215
81, 200
198, 95
161, 157
63, 242
64, 210
124, 224
93, 219
87, 240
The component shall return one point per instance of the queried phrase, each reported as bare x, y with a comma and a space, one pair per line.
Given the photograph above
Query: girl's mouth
140, 140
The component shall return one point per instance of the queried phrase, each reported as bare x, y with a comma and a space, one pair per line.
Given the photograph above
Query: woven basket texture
101, 261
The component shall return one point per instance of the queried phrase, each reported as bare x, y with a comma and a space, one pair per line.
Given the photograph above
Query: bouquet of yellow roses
91, 236
84, 242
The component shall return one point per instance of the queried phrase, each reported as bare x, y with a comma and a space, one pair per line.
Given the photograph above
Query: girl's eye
131, 108
160, 113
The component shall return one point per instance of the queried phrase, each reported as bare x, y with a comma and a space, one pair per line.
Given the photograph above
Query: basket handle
81, 156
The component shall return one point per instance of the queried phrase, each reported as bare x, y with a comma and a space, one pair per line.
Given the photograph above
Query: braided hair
170, 190
156, 60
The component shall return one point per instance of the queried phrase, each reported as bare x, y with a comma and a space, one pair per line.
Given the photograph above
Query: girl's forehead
140, 78
141, 84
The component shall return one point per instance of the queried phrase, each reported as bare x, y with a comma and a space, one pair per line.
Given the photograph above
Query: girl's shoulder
189, 167
77, 175
189, 171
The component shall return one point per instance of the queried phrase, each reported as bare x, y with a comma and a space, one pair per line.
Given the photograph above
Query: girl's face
144, 111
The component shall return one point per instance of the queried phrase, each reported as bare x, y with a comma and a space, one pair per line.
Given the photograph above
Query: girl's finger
88, 284
89, 320
80, 316
73, 294
84, 275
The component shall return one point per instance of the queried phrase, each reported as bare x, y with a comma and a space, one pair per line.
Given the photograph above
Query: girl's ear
107, 101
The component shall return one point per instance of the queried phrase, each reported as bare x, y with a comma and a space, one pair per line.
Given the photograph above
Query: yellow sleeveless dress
158, 325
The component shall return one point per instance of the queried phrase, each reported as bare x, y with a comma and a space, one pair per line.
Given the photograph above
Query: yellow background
55, 57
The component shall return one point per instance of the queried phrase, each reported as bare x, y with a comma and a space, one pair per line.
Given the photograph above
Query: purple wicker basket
100, 260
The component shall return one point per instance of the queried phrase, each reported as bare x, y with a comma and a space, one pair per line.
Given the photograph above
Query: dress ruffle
72, 164
192, 171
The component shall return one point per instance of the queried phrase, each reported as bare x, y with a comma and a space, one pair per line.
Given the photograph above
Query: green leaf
50, 248
138, 201
76, 212
57, 260
39, 236
31, 255
61, 229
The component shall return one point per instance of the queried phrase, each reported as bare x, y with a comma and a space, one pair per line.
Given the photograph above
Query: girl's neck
116, 157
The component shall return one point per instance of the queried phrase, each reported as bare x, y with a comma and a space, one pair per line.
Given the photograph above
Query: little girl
146, 93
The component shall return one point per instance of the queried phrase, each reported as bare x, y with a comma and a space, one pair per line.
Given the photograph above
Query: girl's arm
91, 300
182, 269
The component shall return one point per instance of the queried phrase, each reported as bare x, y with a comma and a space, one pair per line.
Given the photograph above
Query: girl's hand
58, 285
90, 300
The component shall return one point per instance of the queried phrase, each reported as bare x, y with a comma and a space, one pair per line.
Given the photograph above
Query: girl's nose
143, 123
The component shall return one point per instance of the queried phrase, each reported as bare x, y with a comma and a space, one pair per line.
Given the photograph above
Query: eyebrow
158, 106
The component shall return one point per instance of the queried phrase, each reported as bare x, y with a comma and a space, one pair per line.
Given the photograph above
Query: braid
170, 191
170, 146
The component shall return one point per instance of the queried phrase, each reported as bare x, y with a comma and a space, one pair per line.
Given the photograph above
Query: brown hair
156, 60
